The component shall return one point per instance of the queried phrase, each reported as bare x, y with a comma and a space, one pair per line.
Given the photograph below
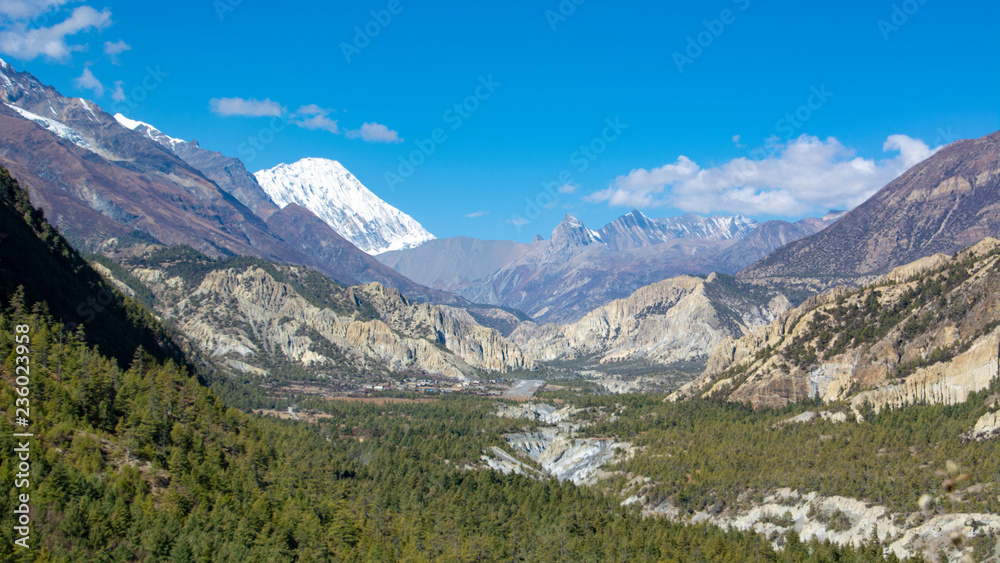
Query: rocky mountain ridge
676, 320
100, 181
926, 332
256, 318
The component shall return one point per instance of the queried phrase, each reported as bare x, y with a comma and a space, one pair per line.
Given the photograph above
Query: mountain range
634, 289
104, 178
578, 269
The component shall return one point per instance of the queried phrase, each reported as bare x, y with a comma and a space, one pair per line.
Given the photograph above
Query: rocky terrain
456, 329
675, 320
228, 173
845, 521
926, 332
261, 319
555, 450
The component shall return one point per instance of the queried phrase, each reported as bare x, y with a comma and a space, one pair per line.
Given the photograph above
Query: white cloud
375, 133
28, 44
87, 81
475, 214
309, 116
27, 9
568, 188
246, 108
804, 175
314, 117
119, 94
112, 50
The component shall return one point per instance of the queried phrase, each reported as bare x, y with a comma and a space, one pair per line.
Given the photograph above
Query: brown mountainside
98, 180
947, 202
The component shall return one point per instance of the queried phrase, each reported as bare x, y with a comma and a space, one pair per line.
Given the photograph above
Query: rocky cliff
454, 328
675, 320
925, 332
256, 317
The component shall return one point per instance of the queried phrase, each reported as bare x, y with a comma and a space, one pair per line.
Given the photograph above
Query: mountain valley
281, 366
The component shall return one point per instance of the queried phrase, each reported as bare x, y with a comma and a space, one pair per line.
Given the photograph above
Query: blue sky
495, 119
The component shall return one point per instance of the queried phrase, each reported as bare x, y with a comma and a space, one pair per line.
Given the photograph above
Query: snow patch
57, 128
149, 131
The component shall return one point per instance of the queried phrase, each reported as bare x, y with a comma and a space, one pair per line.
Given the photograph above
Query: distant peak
538, 238
571, 230
3, 64
337, 197
571, 221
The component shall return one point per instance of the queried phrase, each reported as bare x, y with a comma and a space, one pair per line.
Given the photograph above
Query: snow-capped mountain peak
148, 130
330, 191
572, 232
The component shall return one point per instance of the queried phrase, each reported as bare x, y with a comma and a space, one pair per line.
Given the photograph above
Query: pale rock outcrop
556, 449
986, 428
505, 463
843, 521
541, 412
455, 329
567, 458
248, 312
953, 319
666, 322
809, 416
946, 383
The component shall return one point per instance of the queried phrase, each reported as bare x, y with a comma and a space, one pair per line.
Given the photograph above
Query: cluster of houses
431, 385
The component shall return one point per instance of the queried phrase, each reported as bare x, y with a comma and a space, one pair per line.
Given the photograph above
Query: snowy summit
148, 130
327, 189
